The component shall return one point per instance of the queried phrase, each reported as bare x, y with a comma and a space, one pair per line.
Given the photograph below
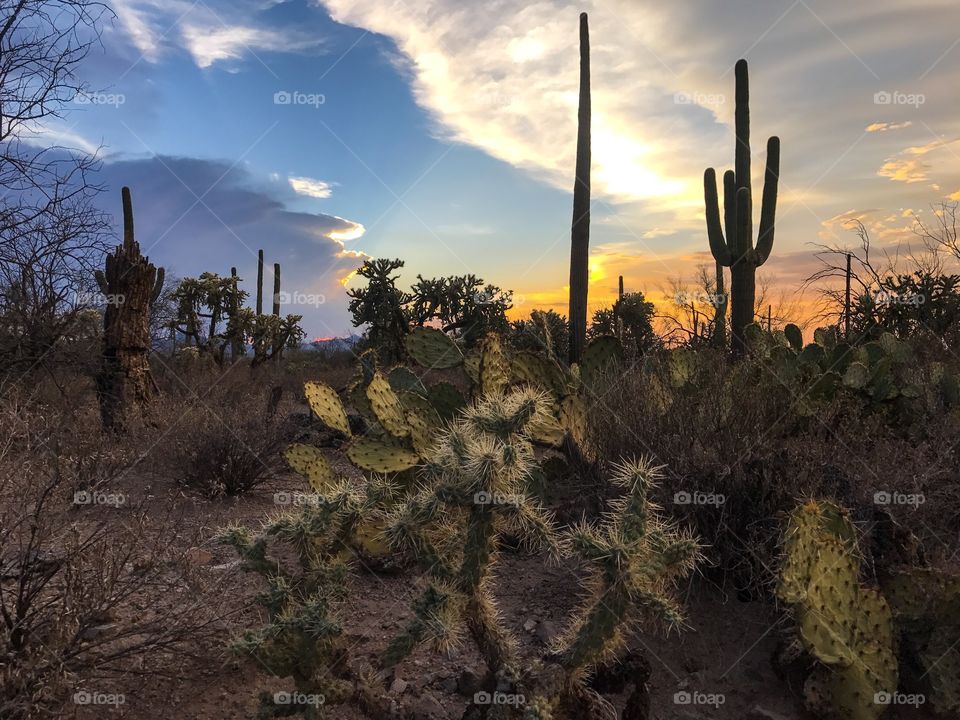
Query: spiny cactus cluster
635, 557
848, 628
303, 638
736, 251
926, 607
475, 489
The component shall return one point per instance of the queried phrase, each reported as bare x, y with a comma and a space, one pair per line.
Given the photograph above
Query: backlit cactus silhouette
737, 250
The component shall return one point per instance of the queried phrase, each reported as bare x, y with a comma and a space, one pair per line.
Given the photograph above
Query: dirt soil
725, 652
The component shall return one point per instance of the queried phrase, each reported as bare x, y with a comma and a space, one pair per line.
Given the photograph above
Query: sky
443, 132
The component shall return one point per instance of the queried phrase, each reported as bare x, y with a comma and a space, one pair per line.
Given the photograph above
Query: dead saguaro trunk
580, 233
130, 284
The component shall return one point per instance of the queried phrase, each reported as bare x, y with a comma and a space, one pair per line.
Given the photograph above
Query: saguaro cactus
580, 233
737, 251
130, 284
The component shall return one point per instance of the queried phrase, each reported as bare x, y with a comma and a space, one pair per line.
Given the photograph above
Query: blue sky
446, 133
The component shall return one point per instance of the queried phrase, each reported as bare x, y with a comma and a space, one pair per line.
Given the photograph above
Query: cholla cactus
475, 489
303, 637
636, 557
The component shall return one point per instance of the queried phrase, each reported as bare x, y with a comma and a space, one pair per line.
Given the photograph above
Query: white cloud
211, 44
311, 187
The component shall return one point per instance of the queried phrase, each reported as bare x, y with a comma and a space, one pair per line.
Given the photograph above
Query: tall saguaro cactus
737, 250
580, 233
131, 284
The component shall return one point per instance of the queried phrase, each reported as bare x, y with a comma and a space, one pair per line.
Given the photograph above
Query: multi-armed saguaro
130, 284
737, 251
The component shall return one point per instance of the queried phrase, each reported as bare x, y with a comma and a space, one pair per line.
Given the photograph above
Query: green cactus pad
683, 367
856, 376
494, 368
794, 336
446, 399
326, 405
573, 418
402, 379
811, 355
538, 371
471, 365
308, 461
381, 456
825, 337
387, 407
357, 395
598, 356
433, 348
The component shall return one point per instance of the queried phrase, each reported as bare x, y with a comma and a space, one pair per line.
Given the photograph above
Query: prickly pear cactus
433, 348
846, 627
326, 405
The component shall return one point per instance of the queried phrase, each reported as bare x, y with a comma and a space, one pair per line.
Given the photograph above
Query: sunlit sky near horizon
443, 132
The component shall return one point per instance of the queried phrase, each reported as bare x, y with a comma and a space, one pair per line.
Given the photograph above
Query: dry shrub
228, 440
78, 584
736, 431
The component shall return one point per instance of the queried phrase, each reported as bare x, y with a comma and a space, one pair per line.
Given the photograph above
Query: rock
468, 684
448, 685
530, 624
546, 632
426, 707
398, 686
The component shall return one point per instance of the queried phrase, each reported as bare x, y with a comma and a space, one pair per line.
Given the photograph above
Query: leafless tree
51, 233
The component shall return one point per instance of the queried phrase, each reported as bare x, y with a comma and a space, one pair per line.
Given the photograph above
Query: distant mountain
329, 344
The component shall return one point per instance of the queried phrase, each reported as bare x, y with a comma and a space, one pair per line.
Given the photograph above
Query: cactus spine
736, 250
580, 233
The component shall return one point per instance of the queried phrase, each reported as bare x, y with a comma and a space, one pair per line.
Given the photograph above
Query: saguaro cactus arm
768, 210
718, 244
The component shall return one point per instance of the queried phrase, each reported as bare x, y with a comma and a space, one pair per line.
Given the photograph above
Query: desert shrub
544, 330
72, 582
226, 442
740, 453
